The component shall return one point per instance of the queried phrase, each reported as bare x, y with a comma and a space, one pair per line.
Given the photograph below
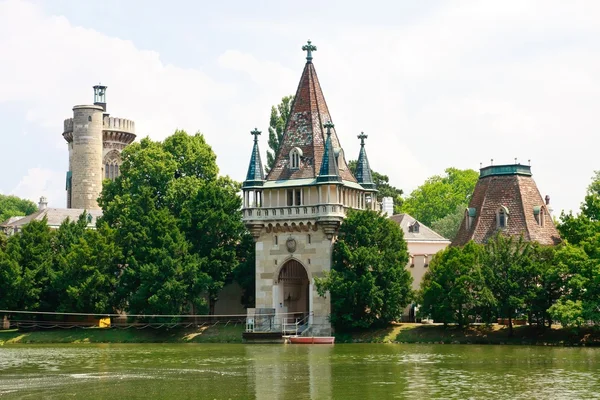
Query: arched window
295, 155
539, 213
502, 217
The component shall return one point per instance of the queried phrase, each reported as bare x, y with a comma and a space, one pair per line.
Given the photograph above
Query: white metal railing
294, 212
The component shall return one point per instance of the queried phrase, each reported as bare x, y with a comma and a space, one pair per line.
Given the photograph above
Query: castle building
95, 142
506, 199
294, 212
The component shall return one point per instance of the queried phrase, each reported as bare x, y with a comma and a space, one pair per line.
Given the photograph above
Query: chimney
547, 199
387, 206
43, 204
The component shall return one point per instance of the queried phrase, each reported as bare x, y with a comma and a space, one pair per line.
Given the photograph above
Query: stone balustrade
293, 212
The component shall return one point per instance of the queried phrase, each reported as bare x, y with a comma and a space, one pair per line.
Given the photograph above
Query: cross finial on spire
328, 125
362, 138
255, 132
309, 48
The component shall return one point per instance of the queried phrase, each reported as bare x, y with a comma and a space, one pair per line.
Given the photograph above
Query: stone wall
86, 157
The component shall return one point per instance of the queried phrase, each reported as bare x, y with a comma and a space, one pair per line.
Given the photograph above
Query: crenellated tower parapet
114, 135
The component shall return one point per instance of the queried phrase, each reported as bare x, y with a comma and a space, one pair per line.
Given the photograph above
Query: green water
356, 371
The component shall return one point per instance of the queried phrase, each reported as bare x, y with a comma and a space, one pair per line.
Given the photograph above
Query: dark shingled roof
305, 131
255, 175
512, 187
329, 168
363, 169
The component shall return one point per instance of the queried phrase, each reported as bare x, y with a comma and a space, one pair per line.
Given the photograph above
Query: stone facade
95, 142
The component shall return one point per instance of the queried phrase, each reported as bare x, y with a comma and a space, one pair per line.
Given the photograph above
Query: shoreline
398, 334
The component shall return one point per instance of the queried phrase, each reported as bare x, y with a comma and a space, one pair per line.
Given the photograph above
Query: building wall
272, 254
86, 157
421, 253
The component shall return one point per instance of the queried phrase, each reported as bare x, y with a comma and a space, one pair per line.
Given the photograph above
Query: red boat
312, 339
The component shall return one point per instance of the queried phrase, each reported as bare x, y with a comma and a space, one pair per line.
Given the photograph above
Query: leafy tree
448, 226
507, 269
173, 264
454, 288
382, 183
368, 283
27, 266
440, 195
576, 229
244, 273
12, 206
277, 123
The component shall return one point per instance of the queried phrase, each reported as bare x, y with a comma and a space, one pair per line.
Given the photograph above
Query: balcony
294, 212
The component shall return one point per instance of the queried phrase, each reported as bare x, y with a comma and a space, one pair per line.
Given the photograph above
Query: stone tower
506, 199
295, 211
95, 142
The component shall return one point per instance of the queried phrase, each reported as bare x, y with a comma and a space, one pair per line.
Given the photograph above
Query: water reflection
291, 371
368, 371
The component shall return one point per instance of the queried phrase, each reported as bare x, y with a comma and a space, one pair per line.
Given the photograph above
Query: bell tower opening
294, 288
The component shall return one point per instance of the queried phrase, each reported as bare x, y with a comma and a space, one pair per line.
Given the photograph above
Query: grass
479, 334
213, 334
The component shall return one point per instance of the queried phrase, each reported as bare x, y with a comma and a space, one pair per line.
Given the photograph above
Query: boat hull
312, 339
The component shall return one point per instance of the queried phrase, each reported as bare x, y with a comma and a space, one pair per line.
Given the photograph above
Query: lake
343, 371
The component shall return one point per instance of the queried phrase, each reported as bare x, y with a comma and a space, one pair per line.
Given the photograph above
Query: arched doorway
294, 283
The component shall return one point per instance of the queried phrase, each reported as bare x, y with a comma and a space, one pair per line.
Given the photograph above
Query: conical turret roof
255, 175
363, 169
305, 131
329, 168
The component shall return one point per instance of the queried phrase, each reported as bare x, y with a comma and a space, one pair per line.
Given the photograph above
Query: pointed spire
363, 169
255, 175
329, 168
305, 130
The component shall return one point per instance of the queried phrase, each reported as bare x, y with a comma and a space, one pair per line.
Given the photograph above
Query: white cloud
41, 182
455, 86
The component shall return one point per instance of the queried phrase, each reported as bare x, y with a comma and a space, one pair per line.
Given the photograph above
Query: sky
433, 84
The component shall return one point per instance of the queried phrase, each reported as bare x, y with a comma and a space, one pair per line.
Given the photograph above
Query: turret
100, 96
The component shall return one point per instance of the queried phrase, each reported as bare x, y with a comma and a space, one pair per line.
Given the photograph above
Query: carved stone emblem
291, 245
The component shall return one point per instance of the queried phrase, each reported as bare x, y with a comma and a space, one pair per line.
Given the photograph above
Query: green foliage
12, 206
244, 273
440, 195
277, 124
368, 284
177, 222
454, 288
568, 312
576, 229
449, 225
382, 183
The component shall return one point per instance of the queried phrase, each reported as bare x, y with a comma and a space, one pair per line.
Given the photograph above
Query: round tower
95, 142
86, 157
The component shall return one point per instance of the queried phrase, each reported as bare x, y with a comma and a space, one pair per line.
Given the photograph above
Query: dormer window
502, 217
469, 217
295, 155
414, 227
539, 213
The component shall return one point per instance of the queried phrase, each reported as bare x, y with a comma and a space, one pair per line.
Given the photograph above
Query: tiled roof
424, 234
519, 194
55, 217
305, 130
363, 169
255, 175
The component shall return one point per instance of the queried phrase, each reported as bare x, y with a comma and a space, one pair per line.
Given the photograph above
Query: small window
502, 217
539, 213
90, 118
295, 156
308, 239
298, 198
469, 217
276, 240
414, 227
290, 197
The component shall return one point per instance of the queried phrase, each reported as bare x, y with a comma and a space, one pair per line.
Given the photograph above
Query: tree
277, 124
440, 195
177, 223
12, 206
27, 267
384, 189
576, 229
508, 273
454, 289
368, 283
449, 225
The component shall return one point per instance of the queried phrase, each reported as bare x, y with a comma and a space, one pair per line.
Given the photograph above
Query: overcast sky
434, 84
